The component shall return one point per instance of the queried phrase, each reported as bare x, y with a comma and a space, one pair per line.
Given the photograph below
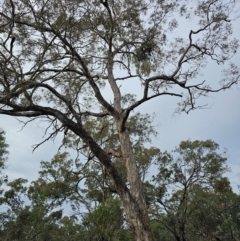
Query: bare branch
86, 113
144, 99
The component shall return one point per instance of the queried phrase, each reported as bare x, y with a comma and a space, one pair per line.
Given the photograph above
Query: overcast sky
220, 121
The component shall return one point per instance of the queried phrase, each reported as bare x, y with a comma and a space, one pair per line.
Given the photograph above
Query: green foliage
214, 215
191, 204
106, 220
3, 158
197, 162
188, 199
3, 150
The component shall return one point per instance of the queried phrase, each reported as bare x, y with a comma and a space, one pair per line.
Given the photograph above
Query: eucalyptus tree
3, 151
25, 219
218, 217
57, 55
186, 203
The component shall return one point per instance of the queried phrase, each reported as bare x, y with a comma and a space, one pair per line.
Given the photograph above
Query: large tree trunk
135, 209
134, 200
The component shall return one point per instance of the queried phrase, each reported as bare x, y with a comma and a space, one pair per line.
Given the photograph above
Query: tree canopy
57, 56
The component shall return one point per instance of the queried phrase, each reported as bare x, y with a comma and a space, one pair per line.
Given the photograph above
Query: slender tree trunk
136, 209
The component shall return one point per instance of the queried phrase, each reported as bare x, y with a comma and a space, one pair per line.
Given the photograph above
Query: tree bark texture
136, 210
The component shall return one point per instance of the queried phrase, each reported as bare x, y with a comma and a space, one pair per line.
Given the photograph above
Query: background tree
20, 221
192, 184
217, 217
56, 56
187, 199
3, 158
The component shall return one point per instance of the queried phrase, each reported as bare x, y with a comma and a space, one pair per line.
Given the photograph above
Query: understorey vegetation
188, 198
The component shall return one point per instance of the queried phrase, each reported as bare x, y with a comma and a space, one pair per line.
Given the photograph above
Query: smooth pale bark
137, 215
